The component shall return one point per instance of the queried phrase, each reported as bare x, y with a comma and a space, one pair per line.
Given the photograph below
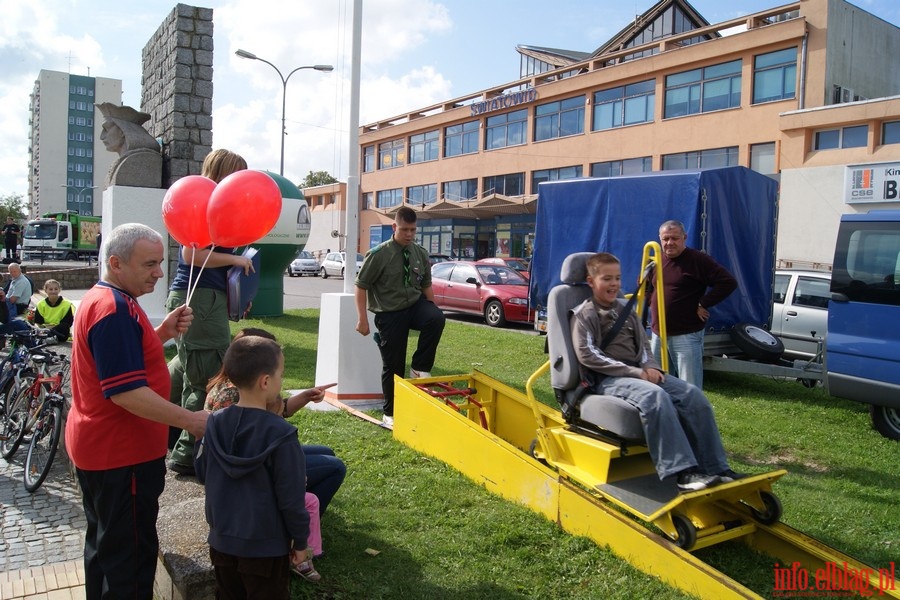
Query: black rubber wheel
323, 274
42, 449
886, 421
808, 383
773, 510
15, 418
532, 448
757, 343
493, 314
687, 533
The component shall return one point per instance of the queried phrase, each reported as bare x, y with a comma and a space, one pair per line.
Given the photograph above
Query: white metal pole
351, 225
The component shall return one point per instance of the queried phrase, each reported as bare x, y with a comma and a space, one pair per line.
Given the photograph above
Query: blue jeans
685, 355
324, 474
13, 325
678, 423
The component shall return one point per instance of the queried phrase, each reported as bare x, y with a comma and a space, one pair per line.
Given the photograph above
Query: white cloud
317, 103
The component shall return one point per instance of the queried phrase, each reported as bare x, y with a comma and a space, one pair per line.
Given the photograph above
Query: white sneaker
387, 422
413, 374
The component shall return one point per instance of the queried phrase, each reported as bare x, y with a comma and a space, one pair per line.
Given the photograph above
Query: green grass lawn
431, 533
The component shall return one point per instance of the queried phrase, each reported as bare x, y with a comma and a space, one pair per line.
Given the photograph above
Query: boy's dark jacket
255, 475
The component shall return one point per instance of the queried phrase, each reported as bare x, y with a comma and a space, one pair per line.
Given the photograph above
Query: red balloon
243, 208
184, 210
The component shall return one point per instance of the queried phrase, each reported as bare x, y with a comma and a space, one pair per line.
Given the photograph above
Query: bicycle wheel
15, 417
42, 449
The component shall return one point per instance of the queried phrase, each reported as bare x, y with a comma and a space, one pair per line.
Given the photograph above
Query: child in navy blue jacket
249, 461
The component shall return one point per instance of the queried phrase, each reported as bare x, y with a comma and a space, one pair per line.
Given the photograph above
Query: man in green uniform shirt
395, 283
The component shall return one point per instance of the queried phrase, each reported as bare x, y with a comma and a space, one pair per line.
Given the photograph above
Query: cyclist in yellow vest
54, 311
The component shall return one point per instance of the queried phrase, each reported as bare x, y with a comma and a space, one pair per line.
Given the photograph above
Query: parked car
518, 264
800, 310
334, 264
437, 258
304, 264
495, 291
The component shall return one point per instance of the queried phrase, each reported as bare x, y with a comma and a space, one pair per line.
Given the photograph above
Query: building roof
656, 23
654, 17
554, 56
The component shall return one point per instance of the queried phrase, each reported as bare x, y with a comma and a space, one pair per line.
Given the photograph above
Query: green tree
317, 178
12, 205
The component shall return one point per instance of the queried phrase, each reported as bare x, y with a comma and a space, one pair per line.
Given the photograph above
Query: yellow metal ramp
490, 436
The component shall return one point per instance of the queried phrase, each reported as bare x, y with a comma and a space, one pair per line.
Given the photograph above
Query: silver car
333, 265
304, 264
800, 311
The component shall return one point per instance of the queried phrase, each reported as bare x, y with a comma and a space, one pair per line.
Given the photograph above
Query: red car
517, 264
495, 291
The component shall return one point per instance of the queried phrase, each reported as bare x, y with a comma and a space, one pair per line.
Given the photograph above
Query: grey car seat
613, 416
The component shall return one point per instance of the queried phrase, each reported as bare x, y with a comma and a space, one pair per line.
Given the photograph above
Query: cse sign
872, 183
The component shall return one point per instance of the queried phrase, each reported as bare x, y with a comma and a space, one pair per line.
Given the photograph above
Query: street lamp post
79, 193
284, 81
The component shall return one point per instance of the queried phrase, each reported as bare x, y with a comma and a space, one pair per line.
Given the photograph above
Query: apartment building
67, 162
800, 86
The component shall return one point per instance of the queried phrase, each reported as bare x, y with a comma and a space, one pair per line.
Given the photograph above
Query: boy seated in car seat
678, 421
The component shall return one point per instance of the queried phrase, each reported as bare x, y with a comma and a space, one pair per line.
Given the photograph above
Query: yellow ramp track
437, 430
499, 461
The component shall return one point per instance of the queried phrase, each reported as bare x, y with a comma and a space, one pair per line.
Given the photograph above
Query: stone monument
140, 160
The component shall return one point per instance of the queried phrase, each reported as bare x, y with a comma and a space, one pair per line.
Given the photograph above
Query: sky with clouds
414, 53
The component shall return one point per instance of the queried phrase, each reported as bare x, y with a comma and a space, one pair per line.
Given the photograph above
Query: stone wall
75, 278
177, 92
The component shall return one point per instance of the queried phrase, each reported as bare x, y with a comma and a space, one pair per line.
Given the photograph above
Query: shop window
392, 154
368, 159
388, 198
762, 158
464, 189
845, 137
704, 90
423, 147
890, 133
461, 139
512, 184
614, 168
505, 130
559, 119
624, 105
702, 159
422, 194
775, 76
543, 175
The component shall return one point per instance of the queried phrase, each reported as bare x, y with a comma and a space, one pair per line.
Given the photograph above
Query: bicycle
46, 394
12, 369
19, 415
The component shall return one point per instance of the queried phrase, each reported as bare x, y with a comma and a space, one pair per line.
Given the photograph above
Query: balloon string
187, 300
192, 289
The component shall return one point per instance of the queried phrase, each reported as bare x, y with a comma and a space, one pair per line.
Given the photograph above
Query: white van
800, 311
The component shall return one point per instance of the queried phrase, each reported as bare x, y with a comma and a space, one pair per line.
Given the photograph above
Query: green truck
61, 236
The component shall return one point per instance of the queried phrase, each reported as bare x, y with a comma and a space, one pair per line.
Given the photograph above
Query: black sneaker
727, 476
181, 469
692, 481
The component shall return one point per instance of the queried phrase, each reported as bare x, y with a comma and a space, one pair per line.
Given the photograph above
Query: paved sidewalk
42, 540
59, 581
41, 534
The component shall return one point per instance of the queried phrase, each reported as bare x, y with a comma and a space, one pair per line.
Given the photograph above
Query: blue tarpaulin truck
731, 214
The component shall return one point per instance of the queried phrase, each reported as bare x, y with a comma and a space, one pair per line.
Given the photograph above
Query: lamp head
324, 68
245, 54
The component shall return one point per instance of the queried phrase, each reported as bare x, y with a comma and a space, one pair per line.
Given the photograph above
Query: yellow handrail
653, 253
